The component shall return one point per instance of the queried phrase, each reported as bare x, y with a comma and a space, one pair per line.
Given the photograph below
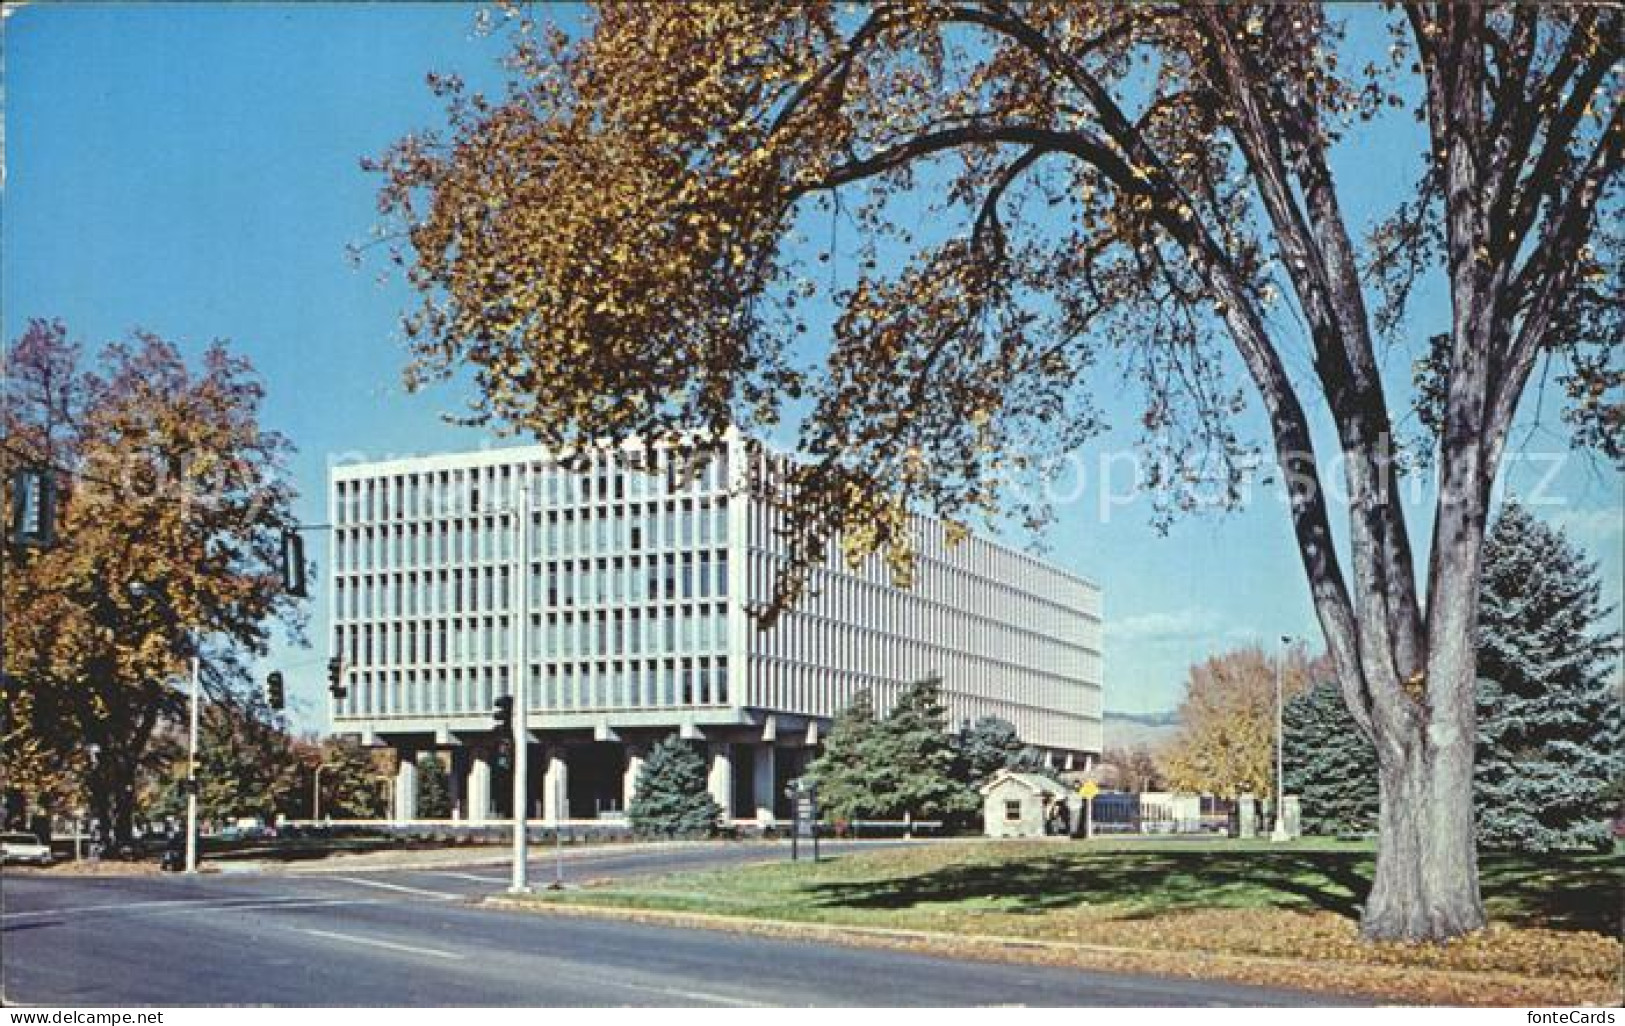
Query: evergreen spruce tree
985, 747
1330, 765
434, 788
1549, 727
671, 799
916, 766
1549, 719
1035, 761
845, 772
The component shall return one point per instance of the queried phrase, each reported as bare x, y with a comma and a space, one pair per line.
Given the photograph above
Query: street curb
502, 857
1389, 984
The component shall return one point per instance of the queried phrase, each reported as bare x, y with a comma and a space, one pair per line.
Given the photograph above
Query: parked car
24, 848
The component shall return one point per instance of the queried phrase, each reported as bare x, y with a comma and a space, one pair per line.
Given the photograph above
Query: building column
457, 783
720, 779
406, 789
763, 784
479, 787
629, 779
556, 786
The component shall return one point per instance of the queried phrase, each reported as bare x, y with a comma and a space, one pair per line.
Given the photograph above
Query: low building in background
1023, 805
640, 568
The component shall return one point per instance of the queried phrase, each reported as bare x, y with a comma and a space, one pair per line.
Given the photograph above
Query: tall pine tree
845, 772
671, 799
1330, 765
985, 747
434, 788
1549, 717
917, 759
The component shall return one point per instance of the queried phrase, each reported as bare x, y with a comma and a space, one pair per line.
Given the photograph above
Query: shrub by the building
671, 799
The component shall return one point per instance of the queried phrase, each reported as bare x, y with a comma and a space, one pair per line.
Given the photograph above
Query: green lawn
1120, 879
1554, 935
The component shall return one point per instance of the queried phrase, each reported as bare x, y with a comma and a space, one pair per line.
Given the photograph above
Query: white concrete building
639, 572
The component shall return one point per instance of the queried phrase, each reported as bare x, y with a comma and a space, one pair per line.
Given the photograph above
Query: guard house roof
1031, 781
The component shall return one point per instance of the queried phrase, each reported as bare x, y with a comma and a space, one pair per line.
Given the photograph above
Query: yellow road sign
1088, 789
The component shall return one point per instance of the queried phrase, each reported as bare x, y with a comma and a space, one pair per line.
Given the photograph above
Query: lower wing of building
638, 573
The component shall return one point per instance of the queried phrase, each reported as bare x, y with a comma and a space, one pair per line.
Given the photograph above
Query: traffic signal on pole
293, 564
33, 507
275, 696
335, 678
503, 713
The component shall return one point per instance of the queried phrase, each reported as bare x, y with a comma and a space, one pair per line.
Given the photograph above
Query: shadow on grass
1557, 892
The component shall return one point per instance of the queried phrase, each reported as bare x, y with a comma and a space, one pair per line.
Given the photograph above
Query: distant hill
1132, 730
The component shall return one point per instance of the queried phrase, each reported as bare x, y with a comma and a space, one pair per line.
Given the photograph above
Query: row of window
490, 539
655, 630
970, 568
572, 687
857, 624
671, 578
608, 477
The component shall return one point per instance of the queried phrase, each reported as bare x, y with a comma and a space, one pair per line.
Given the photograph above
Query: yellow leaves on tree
171, 503
1226, 742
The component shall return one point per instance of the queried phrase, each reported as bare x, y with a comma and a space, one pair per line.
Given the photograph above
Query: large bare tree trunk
1426, 881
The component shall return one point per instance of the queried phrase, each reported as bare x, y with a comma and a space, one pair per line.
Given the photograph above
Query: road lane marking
700, 995
216, 903
370, 942
471, 876
437, 895
276, 904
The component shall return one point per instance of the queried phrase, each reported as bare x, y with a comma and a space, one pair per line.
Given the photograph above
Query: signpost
1087, 790
804, 819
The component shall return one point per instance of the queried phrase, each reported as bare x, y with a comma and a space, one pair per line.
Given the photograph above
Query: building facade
637, 570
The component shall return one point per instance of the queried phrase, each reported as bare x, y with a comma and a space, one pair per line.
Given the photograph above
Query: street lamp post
1280, 834
191, 776
521, 692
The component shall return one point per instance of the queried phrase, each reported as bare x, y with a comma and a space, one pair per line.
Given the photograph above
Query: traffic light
293, 564
335, 678
33, 507
275, 696
503, 713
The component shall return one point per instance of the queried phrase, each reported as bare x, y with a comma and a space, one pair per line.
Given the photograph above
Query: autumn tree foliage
248, 764
355, 781
1226, 740
1134, 769
646, 231
171, 501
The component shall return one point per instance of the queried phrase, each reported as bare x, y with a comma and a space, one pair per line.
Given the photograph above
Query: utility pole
521, 690
191, 776
1279, 834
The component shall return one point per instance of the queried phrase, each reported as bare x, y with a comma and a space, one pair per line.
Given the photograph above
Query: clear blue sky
193, 170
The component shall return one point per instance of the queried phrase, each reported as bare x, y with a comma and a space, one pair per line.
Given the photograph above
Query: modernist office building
638, 569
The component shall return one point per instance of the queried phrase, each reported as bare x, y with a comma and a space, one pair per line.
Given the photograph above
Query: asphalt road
388, 937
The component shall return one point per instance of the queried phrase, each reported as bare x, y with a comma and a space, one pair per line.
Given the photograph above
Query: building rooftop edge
495, 455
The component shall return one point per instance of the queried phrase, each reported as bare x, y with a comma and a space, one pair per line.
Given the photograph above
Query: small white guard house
1020, 804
